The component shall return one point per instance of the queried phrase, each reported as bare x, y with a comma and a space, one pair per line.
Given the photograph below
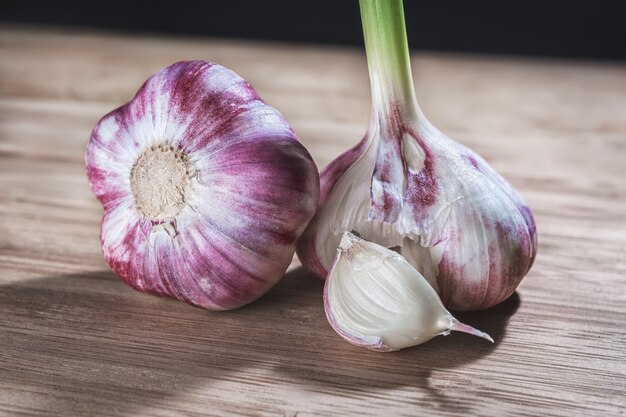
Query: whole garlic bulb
205, 187
407, 185
374, 298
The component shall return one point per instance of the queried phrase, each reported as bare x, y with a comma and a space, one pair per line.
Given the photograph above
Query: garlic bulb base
159, 181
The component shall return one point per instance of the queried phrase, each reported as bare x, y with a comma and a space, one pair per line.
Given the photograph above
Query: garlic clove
205, 187
374, 298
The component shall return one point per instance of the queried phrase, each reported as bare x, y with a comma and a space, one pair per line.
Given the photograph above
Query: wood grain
74, 340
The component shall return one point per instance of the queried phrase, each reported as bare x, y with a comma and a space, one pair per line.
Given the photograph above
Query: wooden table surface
74, 340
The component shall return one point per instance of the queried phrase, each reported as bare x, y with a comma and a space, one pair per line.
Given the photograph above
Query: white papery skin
374, 298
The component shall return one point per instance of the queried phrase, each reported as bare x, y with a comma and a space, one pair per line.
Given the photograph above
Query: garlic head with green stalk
374, 298
408, 186
205, 187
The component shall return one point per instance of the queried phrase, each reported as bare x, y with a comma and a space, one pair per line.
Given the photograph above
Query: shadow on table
80, 343
348, 368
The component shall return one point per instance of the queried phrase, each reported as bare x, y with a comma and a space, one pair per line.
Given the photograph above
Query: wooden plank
74, 340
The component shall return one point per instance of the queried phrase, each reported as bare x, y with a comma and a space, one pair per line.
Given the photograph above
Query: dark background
575, 29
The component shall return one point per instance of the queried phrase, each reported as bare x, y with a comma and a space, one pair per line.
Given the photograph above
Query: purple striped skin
253, 188
456, 220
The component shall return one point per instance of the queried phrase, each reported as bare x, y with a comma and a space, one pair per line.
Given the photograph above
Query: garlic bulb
407, 185
374, 298
205, 188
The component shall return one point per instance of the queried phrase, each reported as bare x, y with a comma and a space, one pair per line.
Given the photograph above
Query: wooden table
74, 340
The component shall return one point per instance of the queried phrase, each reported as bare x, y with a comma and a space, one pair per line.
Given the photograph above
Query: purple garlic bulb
205, 188
408, 187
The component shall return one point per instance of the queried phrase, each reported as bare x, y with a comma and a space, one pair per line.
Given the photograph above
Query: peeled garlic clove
374, 298
407, 185
205, 187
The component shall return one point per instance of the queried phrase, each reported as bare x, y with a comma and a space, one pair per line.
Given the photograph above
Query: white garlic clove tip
464, 328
